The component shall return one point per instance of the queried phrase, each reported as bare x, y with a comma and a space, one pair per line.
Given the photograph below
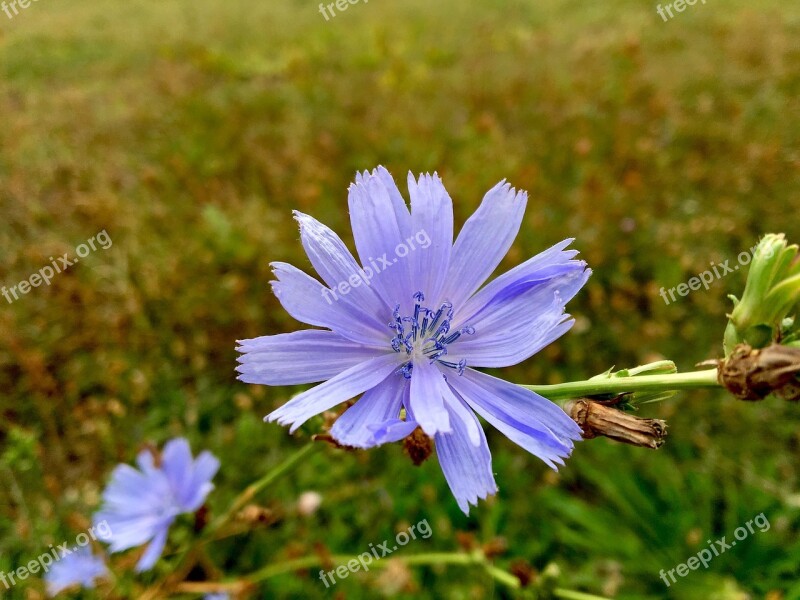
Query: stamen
445, 306
452, 338
409, 346
406, 369
410, 335
443, 328
424, 326
442, 351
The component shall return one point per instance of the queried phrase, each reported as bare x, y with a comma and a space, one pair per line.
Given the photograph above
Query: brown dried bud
753, 374
466, 541
523, 571
791, 391
418, 446
495, 547
201, 518
596, 419
324, 554
252, 514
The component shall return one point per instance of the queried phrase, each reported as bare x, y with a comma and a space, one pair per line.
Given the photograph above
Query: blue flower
217, 596
80, 567
140, 505
441, 324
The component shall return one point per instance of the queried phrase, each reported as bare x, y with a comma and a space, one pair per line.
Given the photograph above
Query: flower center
425, 335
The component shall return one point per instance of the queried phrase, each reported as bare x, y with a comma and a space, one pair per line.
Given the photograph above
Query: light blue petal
503, 348
517, 324
146, 462
356, 426
199, 485
153, 551
530, 270
125, 483
136, 504
458, 409
378, 234
391, 431
176, 463
399, 206
484, 240
299, 357
335, 264
80, 567
308, 301
542, 283
428, 388
431, 215
467, 467
136, 494
527, 419
190, 479
132, 531
341, 388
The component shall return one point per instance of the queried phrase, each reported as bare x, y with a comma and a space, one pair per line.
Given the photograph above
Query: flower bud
771, 291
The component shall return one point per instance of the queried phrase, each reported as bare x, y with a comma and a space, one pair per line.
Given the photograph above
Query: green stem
254, 488
619, 385
306, 562
573, 595
431, 558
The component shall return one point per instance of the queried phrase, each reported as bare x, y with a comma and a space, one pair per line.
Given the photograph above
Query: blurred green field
189, 130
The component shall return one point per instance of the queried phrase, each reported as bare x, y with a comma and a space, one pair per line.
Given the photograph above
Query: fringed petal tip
467, 467
464, 505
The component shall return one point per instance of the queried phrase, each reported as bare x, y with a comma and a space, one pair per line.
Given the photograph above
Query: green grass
189, 130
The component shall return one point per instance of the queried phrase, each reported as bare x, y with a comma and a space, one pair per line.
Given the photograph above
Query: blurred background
188, 130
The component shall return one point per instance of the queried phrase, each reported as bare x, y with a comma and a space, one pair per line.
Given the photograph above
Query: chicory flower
408, 325
140, 505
